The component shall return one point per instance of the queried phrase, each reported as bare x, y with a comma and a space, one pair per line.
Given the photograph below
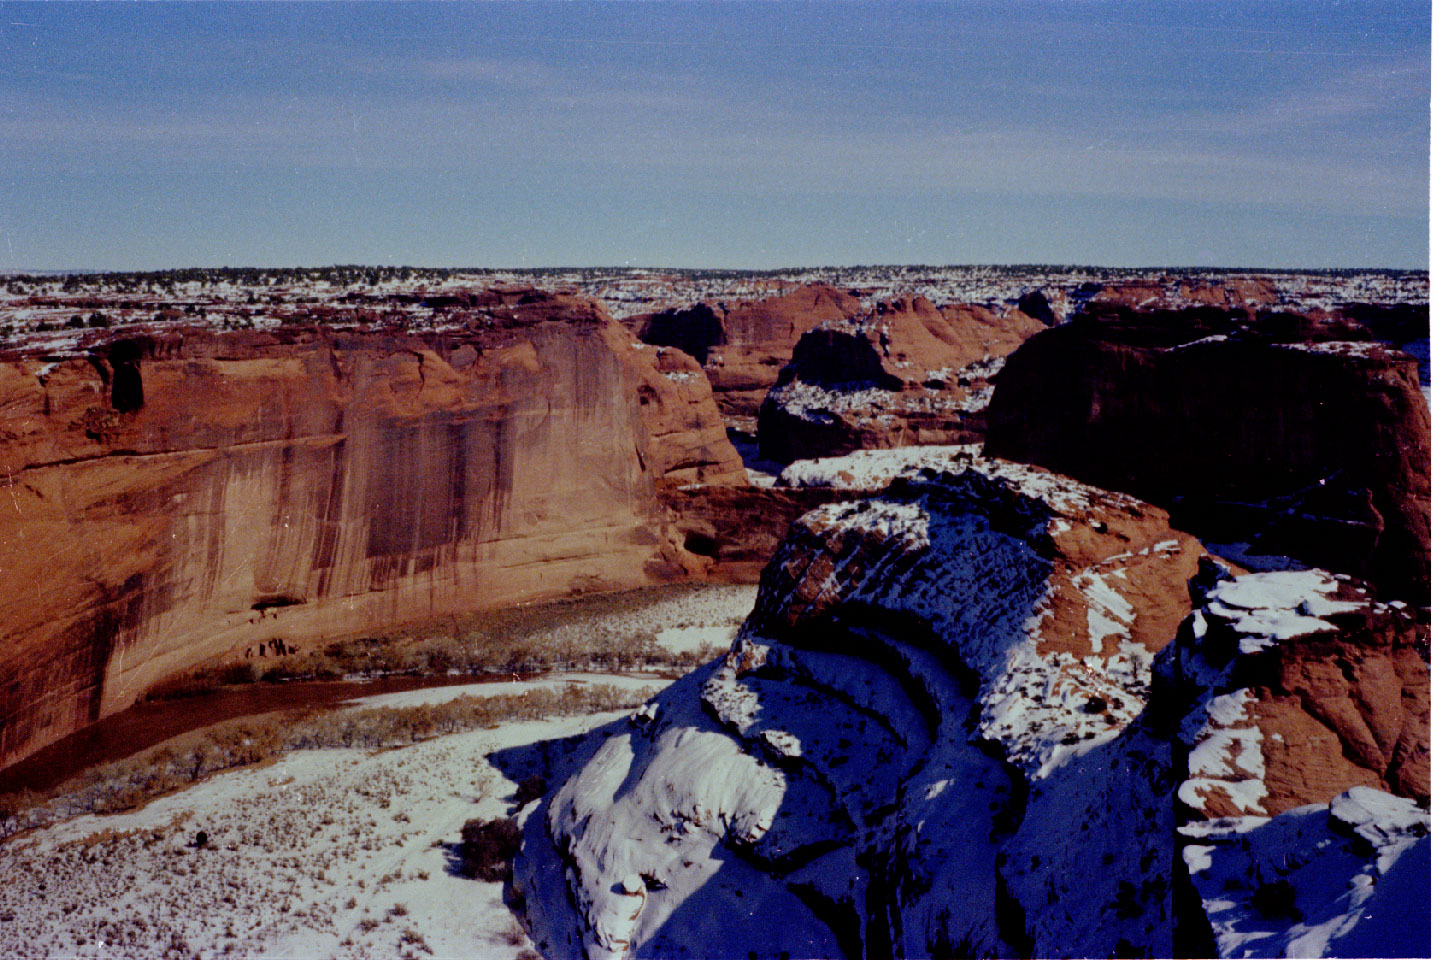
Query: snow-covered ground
553, 681
391, 296
324, 853
327, 852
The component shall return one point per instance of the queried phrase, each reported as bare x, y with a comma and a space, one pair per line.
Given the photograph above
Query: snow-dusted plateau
867, 612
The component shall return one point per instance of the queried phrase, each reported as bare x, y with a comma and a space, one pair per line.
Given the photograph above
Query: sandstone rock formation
1291, 686
920, 672
1288, 435
908, 373
184, 497
1300, 711
742, 344
733, 530
937, 736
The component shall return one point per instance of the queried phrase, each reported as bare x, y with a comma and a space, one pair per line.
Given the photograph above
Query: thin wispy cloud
1312, 124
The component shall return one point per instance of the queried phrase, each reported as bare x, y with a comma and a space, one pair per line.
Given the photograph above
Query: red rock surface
1291, 687
938, 734
1282, 431
1174, 291
909, 373
734, 530
178, 499
744, 343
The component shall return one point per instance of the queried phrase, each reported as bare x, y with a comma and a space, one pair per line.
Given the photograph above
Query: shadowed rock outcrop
920, 669
937, 735
1288, 435
175, 499
742, 344
909, 373
1299, 712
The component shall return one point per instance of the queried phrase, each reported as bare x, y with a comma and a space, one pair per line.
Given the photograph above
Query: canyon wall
907, 373
1285, 435
742, 344
190, 496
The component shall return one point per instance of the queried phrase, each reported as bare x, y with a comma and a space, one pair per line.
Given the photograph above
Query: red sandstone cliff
744, 343
1288, 433
175, 498
909, 373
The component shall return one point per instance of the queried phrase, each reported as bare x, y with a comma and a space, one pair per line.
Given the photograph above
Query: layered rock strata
193, 496
908, 373
1278, 434
743, 344
921, 673
937, 736
1300, 710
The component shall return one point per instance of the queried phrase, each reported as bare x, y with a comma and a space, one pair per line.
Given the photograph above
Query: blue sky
139, 136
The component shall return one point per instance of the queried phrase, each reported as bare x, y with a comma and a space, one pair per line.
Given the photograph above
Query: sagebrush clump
487, 848
136, 780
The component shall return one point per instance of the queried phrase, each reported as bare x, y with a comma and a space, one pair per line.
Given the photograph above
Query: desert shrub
129, 783
531, 788
564, 635
487, 847
1274, 899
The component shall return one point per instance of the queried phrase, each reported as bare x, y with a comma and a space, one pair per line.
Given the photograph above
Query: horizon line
15, 272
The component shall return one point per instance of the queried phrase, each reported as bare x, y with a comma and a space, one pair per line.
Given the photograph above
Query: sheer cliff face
174, 501
743, 344
937, 735
1275, 432
909, 373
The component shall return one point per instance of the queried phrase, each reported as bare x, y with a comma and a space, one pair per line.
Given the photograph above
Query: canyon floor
350, 852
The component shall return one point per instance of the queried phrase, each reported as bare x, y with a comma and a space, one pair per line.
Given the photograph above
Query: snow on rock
1278, 433
1291, 686
921, 673
870, 470
1347, 879
686, 823
908, 372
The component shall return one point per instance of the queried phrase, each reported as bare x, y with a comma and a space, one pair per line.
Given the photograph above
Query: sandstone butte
742, 344
1289, 435
906, 373
937, 735
179, 497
